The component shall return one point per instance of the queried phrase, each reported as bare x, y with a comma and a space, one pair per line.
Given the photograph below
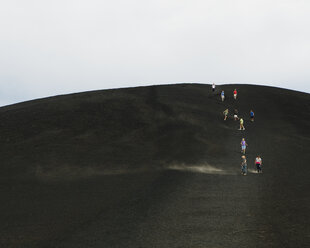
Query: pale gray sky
62, 46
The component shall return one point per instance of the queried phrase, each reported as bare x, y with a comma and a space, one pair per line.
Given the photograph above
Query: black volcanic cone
155, 167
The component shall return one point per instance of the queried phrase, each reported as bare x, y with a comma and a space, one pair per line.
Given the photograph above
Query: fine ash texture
155, 167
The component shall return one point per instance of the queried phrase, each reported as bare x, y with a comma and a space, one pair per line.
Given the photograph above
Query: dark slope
155, 167
134, 128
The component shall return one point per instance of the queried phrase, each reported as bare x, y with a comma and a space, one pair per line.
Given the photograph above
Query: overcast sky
63, 46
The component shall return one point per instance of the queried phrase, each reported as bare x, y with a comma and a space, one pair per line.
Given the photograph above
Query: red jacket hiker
235, 94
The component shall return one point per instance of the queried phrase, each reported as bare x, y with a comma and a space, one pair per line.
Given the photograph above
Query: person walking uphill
243, 145
252, 115
241, 124
222, 95
244, 167
235, 94
225, 112
213, 87
236, 115
258, 163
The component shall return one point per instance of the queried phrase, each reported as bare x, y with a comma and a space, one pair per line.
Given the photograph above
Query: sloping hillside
155, 167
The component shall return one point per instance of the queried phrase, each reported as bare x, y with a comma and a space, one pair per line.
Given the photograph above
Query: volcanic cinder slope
155, 167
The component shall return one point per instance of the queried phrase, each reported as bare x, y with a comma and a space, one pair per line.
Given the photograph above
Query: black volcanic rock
155, 167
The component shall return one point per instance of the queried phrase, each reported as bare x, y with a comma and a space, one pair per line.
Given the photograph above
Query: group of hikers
236, 118
258, 160
223, 94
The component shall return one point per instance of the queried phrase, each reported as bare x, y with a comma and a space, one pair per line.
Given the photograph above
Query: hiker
241, 124
236, 115
213, 87
225, 112
252, 115
223, 95
243, 145
235, 94
258, 163
244, 166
